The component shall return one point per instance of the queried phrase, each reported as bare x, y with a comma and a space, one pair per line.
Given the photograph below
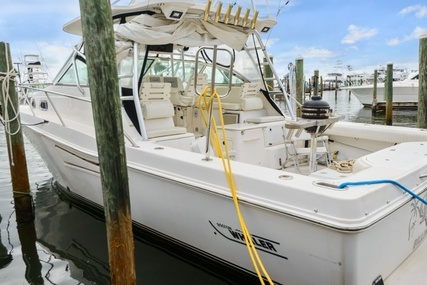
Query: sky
331, 35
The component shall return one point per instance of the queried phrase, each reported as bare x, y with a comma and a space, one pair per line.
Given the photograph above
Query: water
354, 111
70, 247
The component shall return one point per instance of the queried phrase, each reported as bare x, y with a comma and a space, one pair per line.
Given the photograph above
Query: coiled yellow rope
204, 106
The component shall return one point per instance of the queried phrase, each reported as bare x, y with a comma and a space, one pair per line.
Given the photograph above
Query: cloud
317, 53
358, 33
310, 52
420, 11
415, 35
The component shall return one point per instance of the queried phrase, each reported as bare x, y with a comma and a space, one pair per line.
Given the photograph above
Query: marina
207, 162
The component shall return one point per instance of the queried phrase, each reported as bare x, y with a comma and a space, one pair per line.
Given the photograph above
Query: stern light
174, 12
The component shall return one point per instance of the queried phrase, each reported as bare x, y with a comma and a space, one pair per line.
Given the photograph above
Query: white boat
307, 223
399, 74
405, 92
34, 75
333, 79
355, 79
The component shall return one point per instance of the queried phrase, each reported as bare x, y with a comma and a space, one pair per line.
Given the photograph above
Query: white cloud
317, 53
419, 11
306, 53
358, 33
394, 42
415, 35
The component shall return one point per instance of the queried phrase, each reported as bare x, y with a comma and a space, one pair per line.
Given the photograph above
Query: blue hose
345, 184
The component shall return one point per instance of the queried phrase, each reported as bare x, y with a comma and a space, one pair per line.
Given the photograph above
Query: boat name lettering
256, 240
236, 235
419, 239
223, 226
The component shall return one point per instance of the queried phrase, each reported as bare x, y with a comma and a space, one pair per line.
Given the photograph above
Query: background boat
405, 92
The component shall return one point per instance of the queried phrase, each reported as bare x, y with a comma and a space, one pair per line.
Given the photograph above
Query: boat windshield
179, 64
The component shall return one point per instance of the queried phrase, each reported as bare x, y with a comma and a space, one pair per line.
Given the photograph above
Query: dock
381, 106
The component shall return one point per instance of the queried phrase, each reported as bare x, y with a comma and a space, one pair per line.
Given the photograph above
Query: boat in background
356, 79
333, 80
309, 218
405, 92
34, 75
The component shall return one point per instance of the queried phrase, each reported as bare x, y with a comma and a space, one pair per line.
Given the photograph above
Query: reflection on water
67, 243
5, 255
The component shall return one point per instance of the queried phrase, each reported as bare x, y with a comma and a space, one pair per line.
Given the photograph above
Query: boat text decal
417, 219
236, 235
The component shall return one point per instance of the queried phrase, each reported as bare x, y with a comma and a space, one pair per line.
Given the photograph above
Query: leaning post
96, 17
422, 83
15, 140
388, 94
299, 70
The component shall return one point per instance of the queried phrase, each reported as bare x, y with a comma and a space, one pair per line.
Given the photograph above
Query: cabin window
125, 70
44, 105
222, 76
69, 76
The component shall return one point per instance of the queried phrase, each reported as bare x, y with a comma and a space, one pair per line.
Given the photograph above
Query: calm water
70, 245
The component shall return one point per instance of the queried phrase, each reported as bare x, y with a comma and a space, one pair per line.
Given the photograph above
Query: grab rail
214, 60
50, 92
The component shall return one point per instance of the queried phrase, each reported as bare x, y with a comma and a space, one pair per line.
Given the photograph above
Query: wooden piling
299, 75
321, 86
336, 87
98, 34
422, 83
15, 140
374, 94
316, 82
388, 94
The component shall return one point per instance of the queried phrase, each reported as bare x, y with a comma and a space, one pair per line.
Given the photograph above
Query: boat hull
197, 211
405, 92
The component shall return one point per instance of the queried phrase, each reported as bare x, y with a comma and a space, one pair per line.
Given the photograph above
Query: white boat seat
246, 98
157, 110
190, 96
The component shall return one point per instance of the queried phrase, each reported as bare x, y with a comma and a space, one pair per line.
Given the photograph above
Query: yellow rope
216, 144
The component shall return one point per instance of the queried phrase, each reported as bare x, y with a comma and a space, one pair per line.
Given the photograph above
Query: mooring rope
371, 182
345, 166
7, 118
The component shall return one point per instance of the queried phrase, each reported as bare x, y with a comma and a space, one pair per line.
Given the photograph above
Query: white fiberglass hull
185, 198
403, 92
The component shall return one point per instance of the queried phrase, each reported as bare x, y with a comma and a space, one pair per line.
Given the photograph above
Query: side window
69, 76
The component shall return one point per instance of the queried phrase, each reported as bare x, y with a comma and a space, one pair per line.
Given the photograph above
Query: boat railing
260, 47
76, 52
214, 63
50, 92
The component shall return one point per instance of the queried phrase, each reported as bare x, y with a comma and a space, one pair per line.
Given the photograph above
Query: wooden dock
381, 106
